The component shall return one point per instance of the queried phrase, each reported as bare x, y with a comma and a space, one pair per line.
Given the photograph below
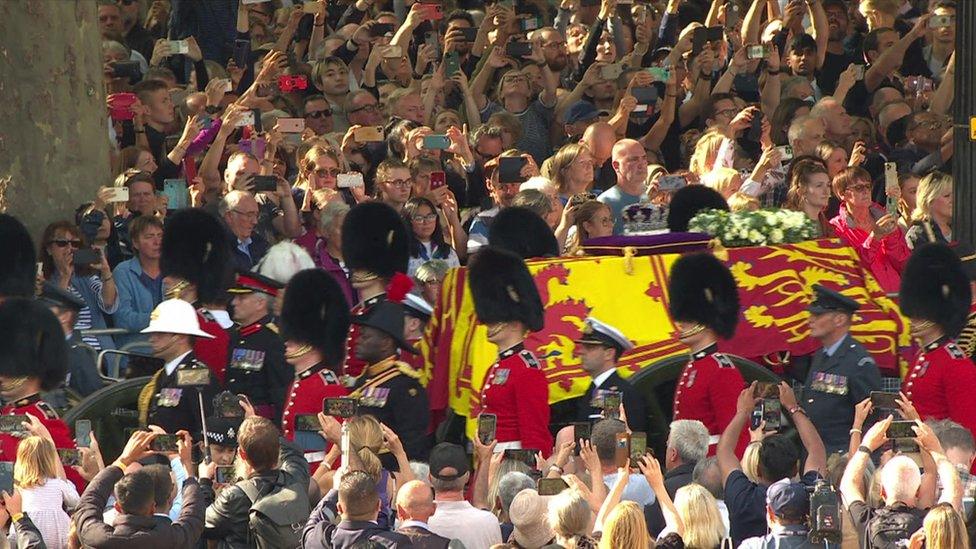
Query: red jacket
885, 258
707, 391
516, 390
212, 352
33, 405
305, 396
940, 384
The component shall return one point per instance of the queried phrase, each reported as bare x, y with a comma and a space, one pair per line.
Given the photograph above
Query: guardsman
515, 388
18, 270
935, 296
33, 354
418, 313
375, 247
314, 322
389, 389
841, 374
967, 338
256, 366
704, 306
171, 399
82, 378
599, 349
196, 265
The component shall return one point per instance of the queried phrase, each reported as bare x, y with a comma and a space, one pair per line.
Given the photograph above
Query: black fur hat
688, 201
315, 312
503, 289
935, 287
33, 344
19, 264
703, 290
196, 249
522, 232
374, 239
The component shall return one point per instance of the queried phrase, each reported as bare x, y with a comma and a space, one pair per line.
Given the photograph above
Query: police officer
704, 307
389, 389
256, 366
935, 296
82, 378
841, 374
171, 399
599, 349
375, 248
515, 388
32, 360
314, 322
418, 313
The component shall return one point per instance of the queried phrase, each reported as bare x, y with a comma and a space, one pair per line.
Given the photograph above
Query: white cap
418, 305
175, 316
595, 331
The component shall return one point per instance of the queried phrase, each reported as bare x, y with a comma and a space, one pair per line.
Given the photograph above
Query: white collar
222, 317
410, 522
598, 380
173, 364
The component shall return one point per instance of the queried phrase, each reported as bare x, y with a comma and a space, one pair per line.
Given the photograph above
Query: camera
825, 525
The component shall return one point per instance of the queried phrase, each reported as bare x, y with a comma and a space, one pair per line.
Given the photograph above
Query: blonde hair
699, 512
750, 461
944, 528
505, 467
723, 181
706, 149
37, 461
307, 163
625, 527
366, 441
930, 187
741, 202
560, 162
569, 516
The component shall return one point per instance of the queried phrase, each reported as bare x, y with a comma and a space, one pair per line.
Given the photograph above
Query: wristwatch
865, 449
797, 409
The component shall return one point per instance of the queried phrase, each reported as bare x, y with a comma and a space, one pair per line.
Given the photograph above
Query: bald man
629, 162
414, 506
599, 137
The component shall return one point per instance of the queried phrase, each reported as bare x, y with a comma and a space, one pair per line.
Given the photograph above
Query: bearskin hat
18, 267
315, 312
196, 249
702, 290
33, 344
688, 201
935, 287
375, 239
522, 232
503, 289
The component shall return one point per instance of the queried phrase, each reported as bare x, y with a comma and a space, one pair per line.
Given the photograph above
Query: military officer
389, 389
841, 374
32, 359
967, 337
171, 399
82, 378
418, 313
314, 322
935, 296
704, 305
257, 366
599, 349
515, 388
375, 248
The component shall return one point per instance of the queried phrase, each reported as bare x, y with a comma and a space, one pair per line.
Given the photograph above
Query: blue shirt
138, 296
829, 351
617, 200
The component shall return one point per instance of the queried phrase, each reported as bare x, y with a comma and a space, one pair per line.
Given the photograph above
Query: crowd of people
295, 180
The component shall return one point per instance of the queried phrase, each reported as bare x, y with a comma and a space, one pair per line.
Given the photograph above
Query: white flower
776, 236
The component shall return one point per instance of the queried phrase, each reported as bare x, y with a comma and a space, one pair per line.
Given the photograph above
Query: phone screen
83, 433
307, 422
225, 474
881, 399
551, 486
339, 407
901, 429
772, 413
581, 431
638, 447
487, 423
164, 443
622, 450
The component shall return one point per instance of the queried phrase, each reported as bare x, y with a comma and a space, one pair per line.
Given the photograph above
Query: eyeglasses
423, 218
246, 215
727, 112
318, 114
126, 2
401, 183
863, 188
62, 243
368, 108
322, 172
559, 45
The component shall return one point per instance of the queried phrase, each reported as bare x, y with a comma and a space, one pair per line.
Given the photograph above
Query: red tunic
212, 352
353, 366
516, 390
33, 405
707, 391
305, 396
941, 382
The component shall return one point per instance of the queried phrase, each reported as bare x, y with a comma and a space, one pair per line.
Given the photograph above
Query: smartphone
731, 14
69, 456
756, 419
126, 69
119, 194
347, 180
86, 256
247, 119
659, 74
551, 486
621, 452
611, 404
698, 39
646, 98
83, 433
581, 431
193, 377
470, 34
164, 443
887, 401
638, 447
227, 404
518, 49
292, 82
381, 29
242, 49
368, 134
859, 72
340, 407
611, 72
307, 422
119, 104
526, 456
755, 131
432, 12
437, 180
393, 52
225, 474
432, 39
264, 183
313, 7
772, 413
177, 194
766, 389
180, 47
452, 64
671, 183
487, 423
939, 21
7, 476
291, 125
436, 142
785, 153
901, 429
891, 183
510, 169
757, 52
527, 24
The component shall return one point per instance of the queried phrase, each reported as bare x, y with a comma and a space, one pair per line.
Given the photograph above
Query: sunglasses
367, 108
318, 114
61, 243
860, 188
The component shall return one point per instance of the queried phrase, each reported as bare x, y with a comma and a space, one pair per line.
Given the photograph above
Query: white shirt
171, 365
598, 380
222, 318
475, 528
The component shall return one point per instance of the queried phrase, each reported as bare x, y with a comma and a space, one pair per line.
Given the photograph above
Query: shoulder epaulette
47, 410
407, 370
272, 326
530, 360
723, 360
954, 350
329, 377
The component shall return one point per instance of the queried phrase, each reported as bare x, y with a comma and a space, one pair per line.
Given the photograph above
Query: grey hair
510, 485
112, 46
797, 128
708, 474
230, 201
456, 485
689, 437
330, 212
421, 471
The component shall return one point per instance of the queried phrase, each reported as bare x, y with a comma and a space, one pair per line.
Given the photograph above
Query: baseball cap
583, 111
448, 456
788, 500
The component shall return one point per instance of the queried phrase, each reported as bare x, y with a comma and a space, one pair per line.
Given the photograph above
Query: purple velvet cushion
664, 243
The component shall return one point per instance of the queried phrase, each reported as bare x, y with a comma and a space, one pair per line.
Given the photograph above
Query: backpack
276, 519
892, 527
